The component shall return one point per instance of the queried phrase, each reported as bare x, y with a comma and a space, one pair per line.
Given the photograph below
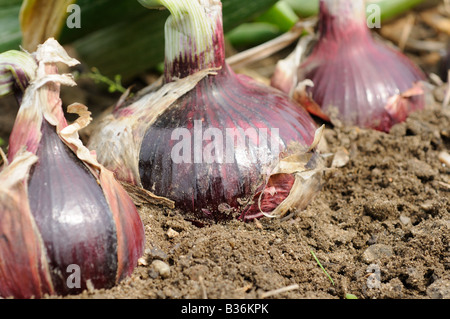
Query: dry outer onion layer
65, 221
173, 141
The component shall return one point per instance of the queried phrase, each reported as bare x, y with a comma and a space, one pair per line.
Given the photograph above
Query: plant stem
193, 34
281, 15
248, 35
389, 8
17, 69
318, 262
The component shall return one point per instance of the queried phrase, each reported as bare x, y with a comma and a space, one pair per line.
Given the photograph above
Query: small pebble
172, 233
444, 157
90, 286
376, 252
142, 261
161, 268
405, 220
440, 289
341, 158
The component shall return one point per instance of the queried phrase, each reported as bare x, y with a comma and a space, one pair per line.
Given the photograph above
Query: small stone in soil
440, 289
156, 253
161, 268
376, 252
405, 220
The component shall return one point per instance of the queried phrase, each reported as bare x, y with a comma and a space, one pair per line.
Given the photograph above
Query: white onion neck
342, 17
193, 35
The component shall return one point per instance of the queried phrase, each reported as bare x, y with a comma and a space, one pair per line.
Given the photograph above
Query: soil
380, 228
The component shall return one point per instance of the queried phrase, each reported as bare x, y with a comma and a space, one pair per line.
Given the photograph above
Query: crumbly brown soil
380, 227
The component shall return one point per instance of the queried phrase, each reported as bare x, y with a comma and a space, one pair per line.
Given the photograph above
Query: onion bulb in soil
219, 144
66, 223
350, 78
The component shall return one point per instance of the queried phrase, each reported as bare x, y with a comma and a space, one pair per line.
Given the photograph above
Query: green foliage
320, 265
120, 36
113, 85
10, 35
123, 37
389, 8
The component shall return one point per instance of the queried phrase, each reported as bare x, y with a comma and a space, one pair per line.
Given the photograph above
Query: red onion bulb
356, 79
66, 224
210, 139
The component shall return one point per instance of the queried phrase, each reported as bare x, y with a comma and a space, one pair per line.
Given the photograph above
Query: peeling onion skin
210, 178
23, 264
354, 75
222, 101
66, 223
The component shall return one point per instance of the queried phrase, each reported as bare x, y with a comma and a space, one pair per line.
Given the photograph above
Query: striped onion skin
209, 139
356, 77
65, 220
73, 216
223, 101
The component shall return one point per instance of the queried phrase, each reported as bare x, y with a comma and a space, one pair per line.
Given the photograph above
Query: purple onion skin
356, 74
73, 216
222, 101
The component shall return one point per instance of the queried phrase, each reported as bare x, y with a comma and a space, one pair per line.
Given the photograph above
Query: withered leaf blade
42, 19
24, 272
142, 196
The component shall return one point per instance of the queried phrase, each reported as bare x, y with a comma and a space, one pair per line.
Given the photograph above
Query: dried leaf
341, 158
42, 19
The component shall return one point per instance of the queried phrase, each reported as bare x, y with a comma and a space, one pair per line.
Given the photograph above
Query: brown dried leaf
42, 19
142, 196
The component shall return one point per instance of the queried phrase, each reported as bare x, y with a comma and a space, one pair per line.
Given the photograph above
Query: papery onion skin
354, 75
24, 271
223, 101
75, 226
